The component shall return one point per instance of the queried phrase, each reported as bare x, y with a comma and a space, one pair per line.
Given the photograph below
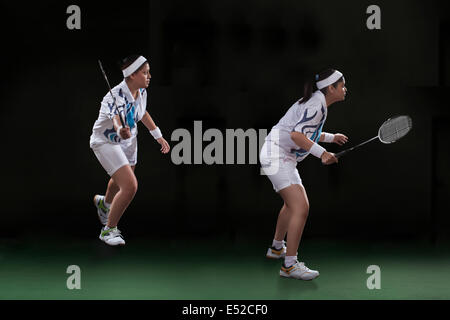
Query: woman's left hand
164, 145
340, 139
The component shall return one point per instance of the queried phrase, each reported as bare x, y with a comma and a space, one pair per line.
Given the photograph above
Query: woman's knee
305, 211
130, 188
126, 181
112, 184
299, 209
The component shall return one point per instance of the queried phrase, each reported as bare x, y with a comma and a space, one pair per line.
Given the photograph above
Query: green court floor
217, 270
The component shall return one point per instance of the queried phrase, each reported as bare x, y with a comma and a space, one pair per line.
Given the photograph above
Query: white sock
290, 261
277, 244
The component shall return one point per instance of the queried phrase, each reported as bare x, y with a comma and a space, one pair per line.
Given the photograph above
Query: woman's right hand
328, 158
125, 133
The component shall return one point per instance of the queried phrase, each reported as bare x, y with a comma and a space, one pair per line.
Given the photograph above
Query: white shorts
278, 166
114, 156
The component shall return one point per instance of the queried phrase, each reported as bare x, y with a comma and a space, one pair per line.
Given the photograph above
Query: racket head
394, 129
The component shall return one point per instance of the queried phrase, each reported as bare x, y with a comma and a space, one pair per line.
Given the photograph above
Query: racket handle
340, 154
121, 121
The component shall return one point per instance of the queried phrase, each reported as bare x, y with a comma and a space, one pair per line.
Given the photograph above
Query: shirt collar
321, 97
127, 91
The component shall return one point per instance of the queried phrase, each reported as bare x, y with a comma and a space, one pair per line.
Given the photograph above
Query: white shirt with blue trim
307, 118
132, 111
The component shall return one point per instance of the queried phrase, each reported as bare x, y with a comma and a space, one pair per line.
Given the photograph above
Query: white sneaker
274, 253
102, 210
111, 236
298, 271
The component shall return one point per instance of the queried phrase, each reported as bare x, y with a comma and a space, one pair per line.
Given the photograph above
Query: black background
231, 64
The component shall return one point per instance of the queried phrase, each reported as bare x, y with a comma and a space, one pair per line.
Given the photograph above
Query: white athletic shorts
114, 156
278, 166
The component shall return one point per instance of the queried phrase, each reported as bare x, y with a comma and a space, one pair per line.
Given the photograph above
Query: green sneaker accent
102, 206
105, 232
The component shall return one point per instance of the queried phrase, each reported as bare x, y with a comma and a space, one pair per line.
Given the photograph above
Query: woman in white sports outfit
290, 141
115, 146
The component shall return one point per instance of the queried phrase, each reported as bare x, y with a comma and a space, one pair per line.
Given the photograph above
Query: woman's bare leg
112, 190
282, 224
297, 207
126, 182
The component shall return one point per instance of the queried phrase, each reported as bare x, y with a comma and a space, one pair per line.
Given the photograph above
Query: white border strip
133, 67
329, 81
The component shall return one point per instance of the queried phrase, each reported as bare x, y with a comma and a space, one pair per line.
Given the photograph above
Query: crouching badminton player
290, 141
115, 146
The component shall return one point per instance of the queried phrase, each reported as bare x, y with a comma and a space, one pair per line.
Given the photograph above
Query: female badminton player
115, 145
290, 141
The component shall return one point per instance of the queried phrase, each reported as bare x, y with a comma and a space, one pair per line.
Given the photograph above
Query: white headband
335, 76
133, 67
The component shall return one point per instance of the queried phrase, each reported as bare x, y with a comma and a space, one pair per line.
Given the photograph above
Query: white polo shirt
307, 118
103, 130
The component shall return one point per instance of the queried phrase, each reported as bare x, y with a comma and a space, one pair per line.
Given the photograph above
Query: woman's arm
338, 138
124, 132
151, 126
307, 144
327, 137
148, 121
301, 140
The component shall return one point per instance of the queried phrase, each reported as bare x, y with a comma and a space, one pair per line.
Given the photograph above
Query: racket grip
340, 154
121, 121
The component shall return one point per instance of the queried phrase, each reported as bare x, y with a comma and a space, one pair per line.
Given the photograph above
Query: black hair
126, 62
310, 85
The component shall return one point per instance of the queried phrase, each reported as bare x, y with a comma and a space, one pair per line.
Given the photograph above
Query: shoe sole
286, 275
111, 245
98, 215
100, 219
115, 245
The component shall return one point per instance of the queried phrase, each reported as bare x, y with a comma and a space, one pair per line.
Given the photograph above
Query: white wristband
317, 150
156, 133
328, 137
118, 132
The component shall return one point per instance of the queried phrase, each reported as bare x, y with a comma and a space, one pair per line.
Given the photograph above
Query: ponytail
308, 90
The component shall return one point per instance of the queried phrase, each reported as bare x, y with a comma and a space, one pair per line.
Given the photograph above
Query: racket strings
395, 129
390, 135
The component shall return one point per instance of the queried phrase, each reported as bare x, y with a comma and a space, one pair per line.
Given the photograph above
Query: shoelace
305, 267
115, 232
302, 266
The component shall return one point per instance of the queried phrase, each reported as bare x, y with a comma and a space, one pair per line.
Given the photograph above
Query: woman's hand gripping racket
124, 131
390, 131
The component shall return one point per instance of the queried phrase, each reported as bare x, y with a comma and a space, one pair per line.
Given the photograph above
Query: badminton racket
390, 131
114, 98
